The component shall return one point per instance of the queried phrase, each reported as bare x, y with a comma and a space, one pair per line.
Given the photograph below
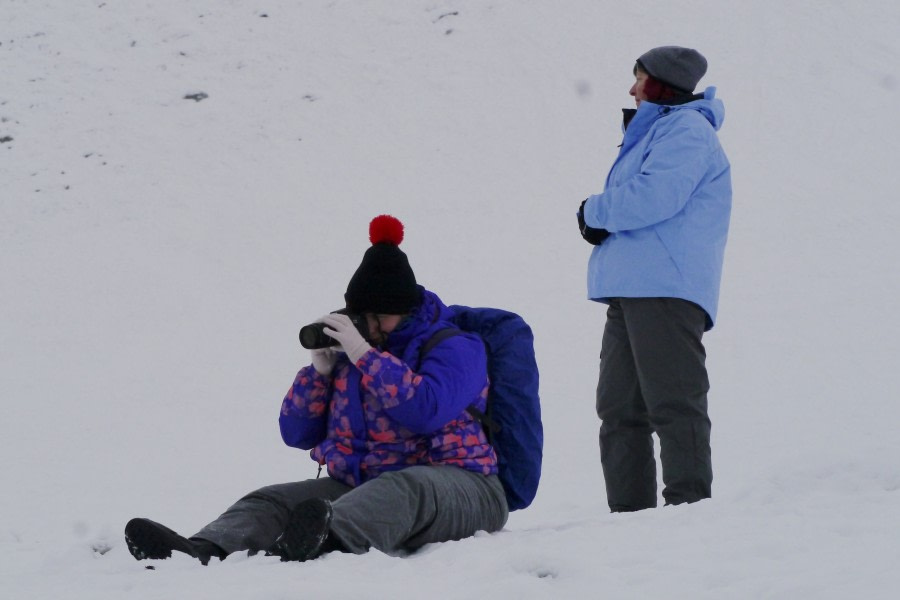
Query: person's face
637, 90
381, 325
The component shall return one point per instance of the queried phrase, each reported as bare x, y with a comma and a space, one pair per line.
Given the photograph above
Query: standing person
407, 464
659, 230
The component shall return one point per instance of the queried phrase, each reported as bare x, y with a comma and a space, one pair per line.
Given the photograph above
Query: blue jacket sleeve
304, 409
674, 162
450, 378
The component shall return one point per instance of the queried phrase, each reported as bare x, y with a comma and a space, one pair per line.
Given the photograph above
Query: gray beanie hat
675, 66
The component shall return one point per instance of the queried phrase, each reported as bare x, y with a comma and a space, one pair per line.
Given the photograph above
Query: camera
313, 336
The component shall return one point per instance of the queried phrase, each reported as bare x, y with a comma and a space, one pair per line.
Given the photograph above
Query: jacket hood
710, 107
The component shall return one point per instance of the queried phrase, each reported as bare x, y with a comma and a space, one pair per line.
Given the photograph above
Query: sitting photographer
407, 464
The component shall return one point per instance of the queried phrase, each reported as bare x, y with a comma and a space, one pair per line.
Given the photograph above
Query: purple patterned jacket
380, 415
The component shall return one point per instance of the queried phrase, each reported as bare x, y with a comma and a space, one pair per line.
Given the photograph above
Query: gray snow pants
653, 379
397, 511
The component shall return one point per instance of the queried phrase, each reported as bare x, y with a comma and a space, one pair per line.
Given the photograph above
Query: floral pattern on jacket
387, 411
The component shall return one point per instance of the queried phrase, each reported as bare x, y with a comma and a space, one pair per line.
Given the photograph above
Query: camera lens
313, 336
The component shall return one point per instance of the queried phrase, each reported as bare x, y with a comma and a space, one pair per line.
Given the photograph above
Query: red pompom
386, 229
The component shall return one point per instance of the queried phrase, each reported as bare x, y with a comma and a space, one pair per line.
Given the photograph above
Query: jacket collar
706, 103
423, 317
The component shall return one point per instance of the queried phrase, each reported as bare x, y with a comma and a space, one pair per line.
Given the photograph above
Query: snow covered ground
159, 254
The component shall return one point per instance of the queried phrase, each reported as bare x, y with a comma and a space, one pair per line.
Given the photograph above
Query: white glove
324, 359
341, 328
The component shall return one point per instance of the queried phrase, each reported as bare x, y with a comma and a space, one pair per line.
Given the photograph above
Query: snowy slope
159, 254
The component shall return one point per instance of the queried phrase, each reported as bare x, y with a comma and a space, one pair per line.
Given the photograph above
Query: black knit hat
680, 68
384, 283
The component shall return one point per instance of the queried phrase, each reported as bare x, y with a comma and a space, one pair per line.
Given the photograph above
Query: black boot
305, 532
149, 539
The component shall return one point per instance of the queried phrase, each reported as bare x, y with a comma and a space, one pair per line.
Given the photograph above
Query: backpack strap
485, 419
436, 339
441, 335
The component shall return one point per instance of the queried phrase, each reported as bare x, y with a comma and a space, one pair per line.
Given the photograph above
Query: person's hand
341, 328
590, 234
323, 360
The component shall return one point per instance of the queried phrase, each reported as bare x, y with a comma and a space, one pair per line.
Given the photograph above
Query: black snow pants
653, 380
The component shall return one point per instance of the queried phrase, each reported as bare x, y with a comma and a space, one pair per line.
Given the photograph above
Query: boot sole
148, 539
306, 530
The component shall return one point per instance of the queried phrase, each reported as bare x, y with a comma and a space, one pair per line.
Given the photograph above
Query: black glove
590, 234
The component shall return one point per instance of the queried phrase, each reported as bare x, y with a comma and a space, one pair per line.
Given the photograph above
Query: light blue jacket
667, 204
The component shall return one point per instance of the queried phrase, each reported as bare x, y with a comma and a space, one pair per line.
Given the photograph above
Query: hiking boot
149, 539
305, 532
